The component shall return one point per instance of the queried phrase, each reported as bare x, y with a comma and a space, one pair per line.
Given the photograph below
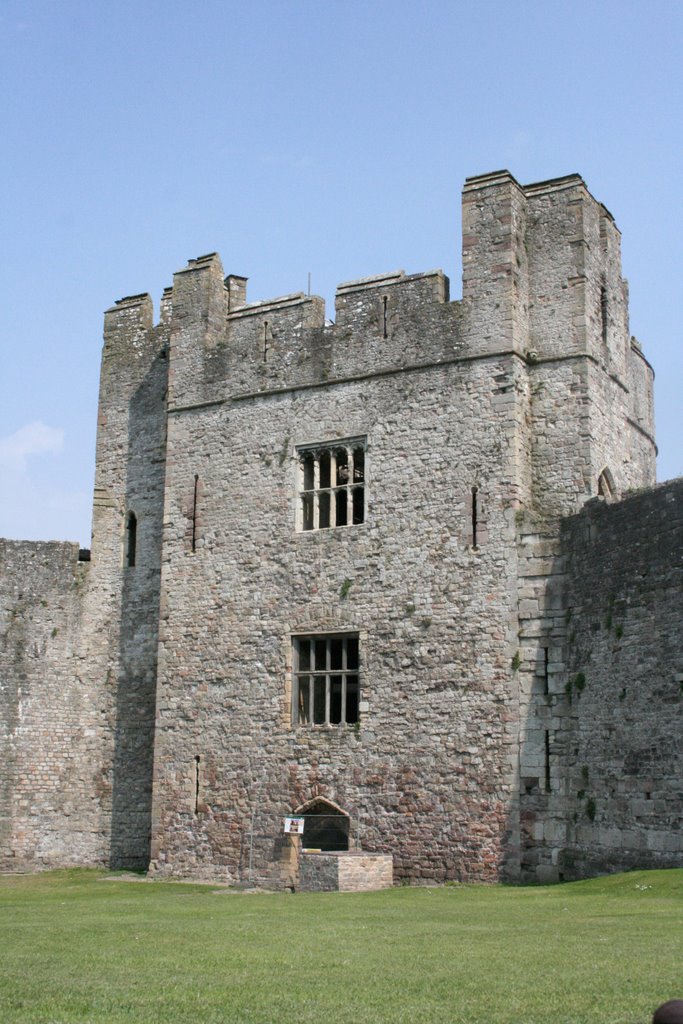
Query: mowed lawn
76, 948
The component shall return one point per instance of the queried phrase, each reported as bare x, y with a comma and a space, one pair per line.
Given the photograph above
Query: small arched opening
326, 826
606, 486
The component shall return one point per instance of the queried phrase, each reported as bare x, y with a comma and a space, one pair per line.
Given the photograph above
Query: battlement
533, 189
542, 287
270, 305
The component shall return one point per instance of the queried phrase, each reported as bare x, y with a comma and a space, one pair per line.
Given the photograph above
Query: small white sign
294, 826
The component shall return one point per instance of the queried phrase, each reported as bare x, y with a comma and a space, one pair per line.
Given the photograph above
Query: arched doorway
326, 826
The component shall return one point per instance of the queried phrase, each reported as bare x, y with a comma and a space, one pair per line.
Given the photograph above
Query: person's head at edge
669, 1013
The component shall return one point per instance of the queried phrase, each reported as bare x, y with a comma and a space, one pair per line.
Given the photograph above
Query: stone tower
330, 563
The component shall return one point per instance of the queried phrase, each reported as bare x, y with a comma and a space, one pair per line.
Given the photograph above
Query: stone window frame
326, 679
331, 482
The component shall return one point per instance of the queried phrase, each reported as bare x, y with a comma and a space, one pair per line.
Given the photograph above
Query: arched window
606, 486
131, 539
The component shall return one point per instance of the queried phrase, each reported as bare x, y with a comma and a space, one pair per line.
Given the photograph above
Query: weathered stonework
472, 584
345, 872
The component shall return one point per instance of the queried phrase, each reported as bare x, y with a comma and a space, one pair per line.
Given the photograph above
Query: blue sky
295, 137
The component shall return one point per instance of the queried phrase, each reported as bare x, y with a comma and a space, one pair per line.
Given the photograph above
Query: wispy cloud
33, 439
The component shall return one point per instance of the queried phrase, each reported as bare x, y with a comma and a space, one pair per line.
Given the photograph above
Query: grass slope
76, 949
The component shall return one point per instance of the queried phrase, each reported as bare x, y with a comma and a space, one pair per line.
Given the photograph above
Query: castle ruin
409, 569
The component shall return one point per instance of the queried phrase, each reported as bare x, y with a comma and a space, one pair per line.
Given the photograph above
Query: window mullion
343, 699
333, 485
316, 492
349, 487
328, 663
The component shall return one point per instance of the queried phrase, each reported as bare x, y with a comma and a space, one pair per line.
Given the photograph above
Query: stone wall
451, 399
485, 421
344, 872
78, 640
602, 675
624, 760
436, 619
124, 598
53, 732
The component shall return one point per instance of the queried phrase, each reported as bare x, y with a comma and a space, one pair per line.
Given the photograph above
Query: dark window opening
547, 761
341, 503
546, 677
474, 516
307, 518
194, 513
324, 506
325, 828
603, 314
341, 467
131, 539
308, 471
332, 486
326, 686
324, 464
384, 316
197, 760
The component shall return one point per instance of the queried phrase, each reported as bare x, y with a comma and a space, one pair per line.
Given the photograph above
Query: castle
408, 571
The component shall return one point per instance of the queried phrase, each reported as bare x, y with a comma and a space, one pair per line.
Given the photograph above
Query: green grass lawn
78, 949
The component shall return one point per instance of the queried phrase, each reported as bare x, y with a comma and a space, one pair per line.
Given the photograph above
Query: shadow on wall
141, 574
601, 758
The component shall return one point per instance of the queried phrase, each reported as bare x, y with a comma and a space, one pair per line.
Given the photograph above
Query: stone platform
345, 871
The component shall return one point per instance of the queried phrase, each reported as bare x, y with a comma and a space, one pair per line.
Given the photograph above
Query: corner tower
542, 276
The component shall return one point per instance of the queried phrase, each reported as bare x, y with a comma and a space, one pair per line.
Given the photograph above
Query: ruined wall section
591, 394
591, 388
624, 766
543, 739
495, 315
123, 598
495, 286
52, 730
622, 427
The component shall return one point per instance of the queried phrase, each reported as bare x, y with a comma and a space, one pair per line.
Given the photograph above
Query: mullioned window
326, 683
331, 485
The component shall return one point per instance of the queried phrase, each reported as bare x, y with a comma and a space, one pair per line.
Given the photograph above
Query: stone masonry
371, 563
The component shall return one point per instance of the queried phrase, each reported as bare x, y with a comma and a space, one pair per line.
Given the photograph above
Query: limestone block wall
54, 791
345, 872
363, 872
